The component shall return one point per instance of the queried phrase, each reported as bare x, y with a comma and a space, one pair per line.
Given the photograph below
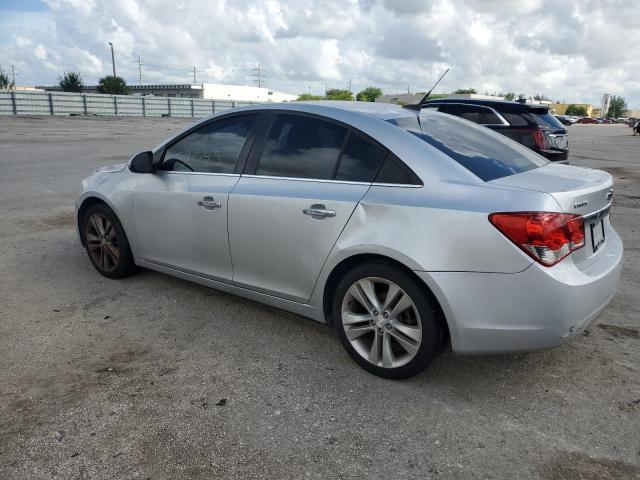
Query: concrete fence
62, 103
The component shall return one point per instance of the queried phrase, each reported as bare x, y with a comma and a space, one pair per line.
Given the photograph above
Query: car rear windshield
486, 154
545, 119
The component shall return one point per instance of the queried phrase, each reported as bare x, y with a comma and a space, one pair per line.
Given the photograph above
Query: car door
300, 188
181, 210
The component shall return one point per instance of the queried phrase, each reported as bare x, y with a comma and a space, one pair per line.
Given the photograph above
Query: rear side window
477, 114
486, 154
515, 119
360, 160
394, 171
301, 147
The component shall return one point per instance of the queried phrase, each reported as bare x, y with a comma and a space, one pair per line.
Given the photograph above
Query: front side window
301, 147
214, 148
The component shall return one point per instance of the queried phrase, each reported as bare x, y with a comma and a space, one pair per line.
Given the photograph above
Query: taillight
540, 140
545, 236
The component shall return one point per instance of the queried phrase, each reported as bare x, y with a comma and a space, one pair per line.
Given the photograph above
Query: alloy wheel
102, 242
381, 322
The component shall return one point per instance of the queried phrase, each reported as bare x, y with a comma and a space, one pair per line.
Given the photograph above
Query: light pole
113, 60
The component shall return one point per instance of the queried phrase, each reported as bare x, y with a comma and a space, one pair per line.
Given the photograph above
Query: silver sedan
403, 230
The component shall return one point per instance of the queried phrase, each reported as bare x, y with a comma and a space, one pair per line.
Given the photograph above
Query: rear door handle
208, 203
319, 211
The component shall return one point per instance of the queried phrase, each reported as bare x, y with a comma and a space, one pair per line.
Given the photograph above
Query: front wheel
386, 321
106, 242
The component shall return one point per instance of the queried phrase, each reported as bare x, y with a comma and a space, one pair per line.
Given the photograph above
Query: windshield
486, 154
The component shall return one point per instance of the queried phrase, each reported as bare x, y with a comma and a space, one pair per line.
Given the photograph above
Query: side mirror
142, 163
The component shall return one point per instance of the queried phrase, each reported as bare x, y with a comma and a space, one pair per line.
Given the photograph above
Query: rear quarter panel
438, 227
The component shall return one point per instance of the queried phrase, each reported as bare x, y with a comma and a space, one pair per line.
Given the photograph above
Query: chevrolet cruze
403, 230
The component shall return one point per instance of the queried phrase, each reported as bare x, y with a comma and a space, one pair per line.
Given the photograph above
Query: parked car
636, 127
587, 120
564, 120
531, 125
400, 229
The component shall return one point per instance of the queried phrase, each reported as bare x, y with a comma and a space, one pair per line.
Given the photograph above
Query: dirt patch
630, 407
576, 465
618, 331
622, 200
64, 220
623, 173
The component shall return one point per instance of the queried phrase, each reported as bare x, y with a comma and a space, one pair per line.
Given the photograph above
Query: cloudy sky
569, 50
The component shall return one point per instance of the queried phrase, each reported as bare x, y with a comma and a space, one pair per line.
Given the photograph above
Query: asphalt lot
154, 377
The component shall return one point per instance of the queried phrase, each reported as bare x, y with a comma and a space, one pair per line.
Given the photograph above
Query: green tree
465, 90
308, 96
71, 82
617, 107
577, 110
369, 94
338, 94
509, 96
4, 80
541, 97
113, 85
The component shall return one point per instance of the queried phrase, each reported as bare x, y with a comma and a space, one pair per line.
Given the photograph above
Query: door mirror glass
142, 163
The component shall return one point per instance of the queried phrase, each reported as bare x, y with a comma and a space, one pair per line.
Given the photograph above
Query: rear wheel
106, 242
386, 321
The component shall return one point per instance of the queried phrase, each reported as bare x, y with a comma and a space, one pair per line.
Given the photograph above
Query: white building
219, 91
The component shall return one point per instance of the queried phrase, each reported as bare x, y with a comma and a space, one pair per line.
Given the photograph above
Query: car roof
504, 105
383, 111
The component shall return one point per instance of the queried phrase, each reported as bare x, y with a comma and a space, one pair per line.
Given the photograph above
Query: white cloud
573, 50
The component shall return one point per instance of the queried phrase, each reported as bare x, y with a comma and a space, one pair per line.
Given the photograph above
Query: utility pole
349, 84
113, 60
194, 75
140, 65
259, 75
325, 90
13, 77
309, 90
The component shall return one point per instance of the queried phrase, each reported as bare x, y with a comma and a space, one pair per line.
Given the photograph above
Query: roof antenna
418, 106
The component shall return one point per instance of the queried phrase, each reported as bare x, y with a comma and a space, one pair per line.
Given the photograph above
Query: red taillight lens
540, 140
545, 236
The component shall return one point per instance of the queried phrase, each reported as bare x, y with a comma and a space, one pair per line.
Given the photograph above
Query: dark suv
530, 125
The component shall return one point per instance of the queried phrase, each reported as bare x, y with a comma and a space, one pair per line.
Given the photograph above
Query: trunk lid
577, 190
581, 191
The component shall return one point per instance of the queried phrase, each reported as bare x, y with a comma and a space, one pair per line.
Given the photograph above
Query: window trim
242, 155
265, 127
503, 121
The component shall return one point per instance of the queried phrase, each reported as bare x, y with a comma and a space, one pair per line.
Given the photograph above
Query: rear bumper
556, 155
537, 308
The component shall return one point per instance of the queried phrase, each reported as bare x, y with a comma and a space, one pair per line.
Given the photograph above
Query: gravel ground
154, 377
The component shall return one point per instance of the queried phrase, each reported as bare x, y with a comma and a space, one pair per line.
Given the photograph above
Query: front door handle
208, 203
319, 211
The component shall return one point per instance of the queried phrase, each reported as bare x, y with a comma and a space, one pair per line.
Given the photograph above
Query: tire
106, 243
402, 339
